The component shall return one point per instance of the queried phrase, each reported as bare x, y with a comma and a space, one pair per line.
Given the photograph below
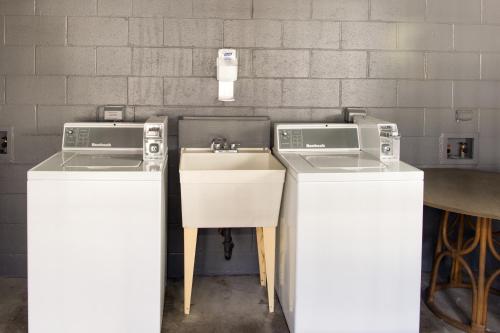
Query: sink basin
230, 190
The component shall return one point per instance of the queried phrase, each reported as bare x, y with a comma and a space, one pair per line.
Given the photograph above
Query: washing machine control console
155, 139
102, 136
368, 134
317, 137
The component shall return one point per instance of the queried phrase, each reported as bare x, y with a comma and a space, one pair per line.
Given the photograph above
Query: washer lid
99, 161
97, 166
361, 166
343, 161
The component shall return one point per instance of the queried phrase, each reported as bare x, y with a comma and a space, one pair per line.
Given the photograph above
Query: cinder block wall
409, 61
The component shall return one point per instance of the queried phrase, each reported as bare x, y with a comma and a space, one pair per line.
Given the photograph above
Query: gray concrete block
190, 91
327, 115
397, 65
477, 94
281, 63
145, 91
257, 92
491, 10
489, 123
162, 8
12, 186
398, 10
114, 60
338, 64
114, 8
245, 59
21, 117
313, 93
490, 66
368, 35
420, 151
477, 38
10, 207
284, 114
340, 10
35, 30
51, 118
312, 34
161, 62
144, 112
97, 90
417, 36
146, 31
13, 265
410, 120
205, 62
36, 90
252, 33
282, 9
193, 32
368, 93
425, 94
35, 148
458, 66
65, 60
17, 7
66, 7
227, 9
2, 26
2, 90
438, 121
13, 238
98, 31
17, 60
14, 171
13, 181
454, 11
489, 154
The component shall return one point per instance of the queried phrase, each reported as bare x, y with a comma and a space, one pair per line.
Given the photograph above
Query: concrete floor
228, 304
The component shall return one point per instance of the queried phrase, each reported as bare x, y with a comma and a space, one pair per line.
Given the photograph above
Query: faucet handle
218, 144
235, 146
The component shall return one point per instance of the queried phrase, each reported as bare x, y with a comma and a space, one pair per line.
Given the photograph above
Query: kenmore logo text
315, 145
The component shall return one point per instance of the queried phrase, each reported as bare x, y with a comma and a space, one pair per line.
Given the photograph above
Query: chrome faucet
220, 145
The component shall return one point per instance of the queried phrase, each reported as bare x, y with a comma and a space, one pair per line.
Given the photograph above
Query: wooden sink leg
262, 261
190, 235
269, 255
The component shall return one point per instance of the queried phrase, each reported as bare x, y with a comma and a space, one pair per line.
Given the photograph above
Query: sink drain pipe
228, 242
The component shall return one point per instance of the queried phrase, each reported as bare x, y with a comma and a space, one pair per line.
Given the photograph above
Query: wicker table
473, 198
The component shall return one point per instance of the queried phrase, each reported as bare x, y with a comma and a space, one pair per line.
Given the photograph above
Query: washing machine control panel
155, 139
102, 136
318, 137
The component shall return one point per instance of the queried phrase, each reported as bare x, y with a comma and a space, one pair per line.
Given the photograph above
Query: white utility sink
230, 190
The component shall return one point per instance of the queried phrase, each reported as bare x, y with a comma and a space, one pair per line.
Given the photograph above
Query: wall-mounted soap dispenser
227, 73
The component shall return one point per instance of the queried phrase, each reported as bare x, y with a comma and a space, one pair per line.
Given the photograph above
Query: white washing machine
97, 230
350, 230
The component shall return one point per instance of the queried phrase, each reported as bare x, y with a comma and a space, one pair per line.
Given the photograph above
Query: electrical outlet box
6, 144
112, 113
459, 148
